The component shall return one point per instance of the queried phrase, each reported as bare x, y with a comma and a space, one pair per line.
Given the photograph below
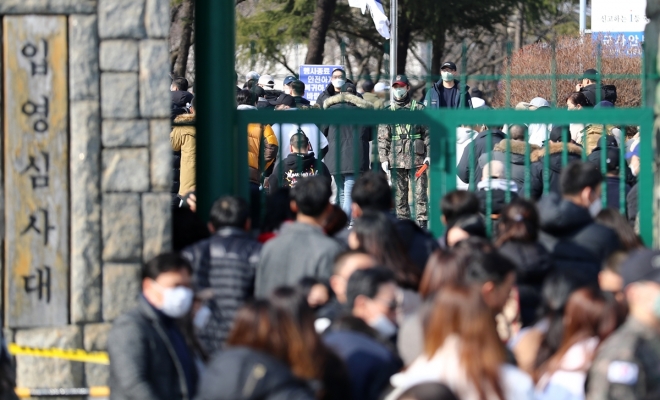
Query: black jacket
270, 95
578, 245
419, 242
498, 200
329, 92
589, 92
632, 204
533, 264
295, 166
143, 359
517, 159
432, 98
242, 373
538, 163
480, 147
352, 152
226, 263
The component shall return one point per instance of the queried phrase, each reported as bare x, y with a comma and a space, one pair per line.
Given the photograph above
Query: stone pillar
119, 174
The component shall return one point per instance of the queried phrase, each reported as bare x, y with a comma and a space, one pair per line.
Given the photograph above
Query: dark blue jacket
370, 363
432, 98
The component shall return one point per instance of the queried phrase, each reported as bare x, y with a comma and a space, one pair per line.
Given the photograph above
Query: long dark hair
613, 219
588, 314
378, 236
461, 311
519, 221
556, 290
266, 328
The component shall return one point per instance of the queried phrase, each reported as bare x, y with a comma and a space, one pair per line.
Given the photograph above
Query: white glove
427, 161
385, 165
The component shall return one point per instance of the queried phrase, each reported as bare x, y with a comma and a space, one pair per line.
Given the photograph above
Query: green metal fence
442, 127
222, 151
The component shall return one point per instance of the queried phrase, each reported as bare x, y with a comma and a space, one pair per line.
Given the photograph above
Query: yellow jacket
183, 139
592, 135
260, 135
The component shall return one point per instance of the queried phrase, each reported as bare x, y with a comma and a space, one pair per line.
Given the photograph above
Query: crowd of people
557, 305
326, 285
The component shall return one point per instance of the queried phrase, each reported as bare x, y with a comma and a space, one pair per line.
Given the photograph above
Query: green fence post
221, 148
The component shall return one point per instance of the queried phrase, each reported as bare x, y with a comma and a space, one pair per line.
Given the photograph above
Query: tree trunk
322, 18
405, 32
519, 29
436, 60
186, 15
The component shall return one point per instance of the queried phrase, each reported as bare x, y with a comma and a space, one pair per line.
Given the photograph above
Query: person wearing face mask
446, 93
403, 149
364, 337
149, 356
577, 243
337, 83
626, 364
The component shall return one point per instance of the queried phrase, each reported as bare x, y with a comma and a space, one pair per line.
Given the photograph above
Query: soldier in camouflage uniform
627, 365
403, 149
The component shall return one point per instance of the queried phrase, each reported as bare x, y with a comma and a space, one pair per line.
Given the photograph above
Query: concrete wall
119, 173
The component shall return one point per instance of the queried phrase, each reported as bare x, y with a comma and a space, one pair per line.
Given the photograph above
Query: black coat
246, 374
295, 166
589, 92
480, 147
538, 163
341, 138
517, 159
632, 204
533, 264
577, 243
225, 263
143, 359
419, 242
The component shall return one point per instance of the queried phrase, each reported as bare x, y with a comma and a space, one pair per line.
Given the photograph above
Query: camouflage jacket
627, 365
403, 153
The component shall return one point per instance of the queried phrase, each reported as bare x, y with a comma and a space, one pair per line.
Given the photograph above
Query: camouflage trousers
402, 179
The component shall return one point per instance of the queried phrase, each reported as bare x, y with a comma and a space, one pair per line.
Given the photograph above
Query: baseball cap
251, 75
380, 87
401, 80
283, 99
641, 265
556, 133
590, 74
266, 80
289, 79
613, 159
538, 102
449, 64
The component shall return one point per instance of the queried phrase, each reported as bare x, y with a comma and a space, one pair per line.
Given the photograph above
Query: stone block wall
119, 172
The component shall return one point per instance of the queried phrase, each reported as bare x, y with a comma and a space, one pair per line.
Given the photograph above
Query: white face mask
384, 326
595, 207
400, 93
176, 301
447, 76
338, 83
202, 317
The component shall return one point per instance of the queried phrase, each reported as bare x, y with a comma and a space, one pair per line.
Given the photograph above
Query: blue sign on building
628, 43
316, 78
